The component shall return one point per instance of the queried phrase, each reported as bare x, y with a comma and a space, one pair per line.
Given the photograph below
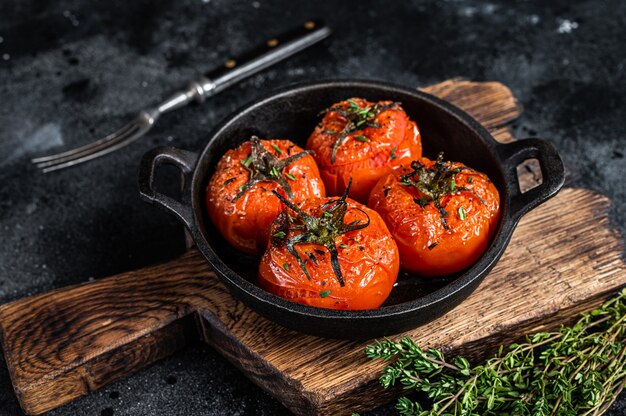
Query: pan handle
182, 159
552, 171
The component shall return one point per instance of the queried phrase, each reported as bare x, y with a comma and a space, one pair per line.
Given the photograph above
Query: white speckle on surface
295, 71
144, 84
468, 11
566, 26
71, 16
170, 138
206, 1
45, 137
256, 4
31, 207
485, 10
1, 39
6, 56
534, 19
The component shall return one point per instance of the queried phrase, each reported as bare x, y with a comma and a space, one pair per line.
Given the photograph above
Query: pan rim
470, 276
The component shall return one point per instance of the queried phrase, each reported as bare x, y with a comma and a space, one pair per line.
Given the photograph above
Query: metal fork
274, 51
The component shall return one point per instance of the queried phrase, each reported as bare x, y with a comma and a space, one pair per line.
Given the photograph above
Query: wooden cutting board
563, 258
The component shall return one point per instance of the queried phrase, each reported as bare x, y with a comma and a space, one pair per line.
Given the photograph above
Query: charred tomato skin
245, 223
397, 141
369, 261
427, 247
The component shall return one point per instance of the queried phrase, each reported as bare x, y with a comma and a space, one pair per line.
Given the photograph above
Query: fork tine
113, 146
98, 143
124, 133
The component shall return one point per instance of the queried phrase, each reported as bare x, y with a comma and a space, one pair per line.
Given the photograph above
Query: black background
72, 71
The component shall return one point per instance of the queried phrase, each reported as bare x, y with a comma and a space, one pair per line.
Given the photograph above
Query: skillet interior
292, 114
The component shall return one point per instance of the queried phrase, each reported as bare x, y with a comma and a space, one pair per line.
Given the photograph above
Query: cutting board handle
74, 340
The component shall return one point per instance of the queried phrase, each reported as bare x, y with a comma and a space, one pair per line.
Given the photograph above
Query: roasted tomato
239, 195
362, 141
442, 214
331, 253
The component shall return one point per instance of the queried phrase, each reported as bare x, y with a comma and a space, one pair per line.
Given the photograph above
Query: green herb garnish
361, 138
322, 230
264, 166
325, 293
290, 176
434, 183
278, 151
461, 213
575, 370
358, 118
286, 266
280, 234
433, 245
392, 154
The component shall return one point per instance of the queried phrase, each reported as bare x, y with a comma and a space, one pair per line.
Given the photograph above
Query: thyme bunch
321, 230
265, 166
576, 370
358, 118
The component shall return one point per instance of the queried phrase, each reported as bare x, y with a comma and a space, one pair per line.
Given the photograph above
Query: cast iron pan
292, 113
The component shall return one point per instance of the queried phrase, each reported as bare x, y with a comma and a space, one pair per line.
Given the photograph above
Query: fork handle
234, 70
273, 51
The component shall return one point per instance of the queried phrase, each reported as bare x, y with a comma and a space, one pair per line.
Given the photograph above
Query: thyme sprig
265, 166
322, 230
435, 182
575, 370
358, 118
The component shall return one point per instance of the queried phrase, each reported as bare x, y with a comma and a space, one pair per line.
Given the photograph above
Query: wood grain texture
71, 341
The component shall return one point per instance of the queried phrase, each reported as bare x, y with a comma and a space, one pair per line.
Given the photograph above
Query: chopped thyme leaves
361, 138
325, 293
462, 213
247, 161
322, 230
265, 166
274, 172
286, 266
392, 154
422, 201
358, 118
330, 132
343, 245
470, 179
433, 245
280, 234
290, 176
229, 181
278, 151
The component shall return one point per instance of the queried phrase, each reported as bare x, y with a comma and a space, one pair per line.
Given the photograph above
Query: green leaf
392, 154
277, 150
570, 371
461, 213
290, 176
325, 293
361, 138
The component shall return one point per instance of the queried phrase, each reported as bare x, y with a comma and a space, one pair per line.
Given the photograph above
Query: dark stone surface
71, 71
